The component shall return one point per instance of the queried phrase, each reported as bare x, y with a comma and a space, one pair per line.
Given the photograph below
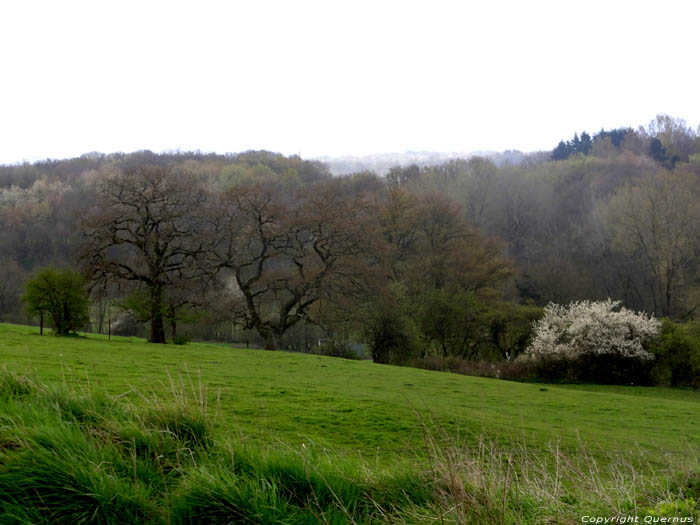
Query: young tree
60, 294
148, 231
453, 322
388, 326
510, 327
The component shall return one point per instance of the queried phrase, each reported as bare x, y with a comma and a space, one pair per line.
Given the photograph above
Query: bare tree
282, 254
428, 244
147, 232
11, 278
655, 223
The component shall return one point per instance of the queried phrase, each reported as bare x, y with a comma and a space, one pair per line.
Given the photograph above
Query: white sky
334, 78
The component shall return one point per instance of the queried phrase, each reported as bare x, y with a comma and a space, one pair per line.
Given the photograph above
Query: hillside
122, 431
358, 406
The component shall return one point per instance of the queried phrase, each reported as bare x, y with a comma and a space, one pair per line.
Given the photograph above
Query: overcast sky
337, 78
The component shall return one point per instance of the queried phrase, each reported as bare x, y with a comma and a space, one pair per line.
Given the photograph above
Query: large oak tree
283, 251
148, 233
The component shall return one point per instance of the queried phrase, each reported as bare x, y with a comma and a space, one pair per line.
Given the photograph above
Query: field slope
358, 407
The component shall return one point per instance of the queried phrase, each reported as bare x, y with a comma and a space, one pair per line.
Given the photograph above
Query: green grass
356, 407
675, 394
67, 457
122, 431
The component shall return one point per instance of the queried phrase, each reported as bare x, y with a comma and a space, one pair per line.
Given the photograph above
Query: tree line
452, 260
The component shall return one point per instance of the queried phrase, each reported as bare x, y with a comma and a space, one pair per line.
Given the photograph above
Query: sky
337, 78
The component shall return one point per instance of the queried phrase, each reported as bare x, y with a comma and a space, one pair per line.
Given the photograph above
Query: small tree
510, 327
61, 294
452, 323
388, 327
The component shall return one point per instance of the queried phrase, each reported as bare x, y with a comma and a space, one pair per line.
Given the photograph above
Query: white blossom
593, 327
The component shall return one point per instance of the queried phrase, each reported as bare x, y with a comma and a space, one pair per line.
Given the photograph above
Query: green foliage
61, 294
460, 325
389, 329
337, 347
673, 509
677, 354
453, 322
606, 369
15, 386
510, 327
186, 426
138, 305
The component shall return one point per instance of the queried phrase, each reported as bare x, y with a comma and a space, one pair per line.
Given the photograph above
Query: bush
677, 354
390, 339
516, 370
594, 341
180, 340
610, 369
340, 348
389, 330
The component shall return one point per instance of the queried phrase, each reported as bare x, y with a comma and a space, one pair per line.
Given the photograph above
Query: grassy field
357, 406
387, 419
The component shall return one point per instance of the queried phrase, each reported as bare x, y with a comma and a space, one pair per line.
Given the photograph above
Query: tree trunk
101, 314
270, 339
157, 326
173, 322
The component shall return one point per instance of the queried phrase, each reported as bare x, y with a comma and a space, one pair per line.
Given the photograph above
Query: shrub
389, 329
677, 354
180, 340
450, 323
340, 348
595, 341
390, 338
516, 370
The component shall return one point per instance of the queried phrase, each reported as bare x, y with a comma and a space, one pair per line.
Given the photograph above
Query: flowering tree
593, 328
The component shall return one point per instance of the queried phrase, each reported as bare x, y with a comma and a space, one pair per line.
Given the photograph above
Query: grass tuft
15, 386
186, 426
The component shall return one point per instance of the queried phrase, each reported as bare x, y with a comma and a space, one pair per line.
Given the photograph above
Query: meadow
274, 437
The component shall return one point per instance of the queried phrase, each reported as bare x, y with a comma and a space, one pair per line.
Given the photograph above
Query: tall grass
489, 483
80, 456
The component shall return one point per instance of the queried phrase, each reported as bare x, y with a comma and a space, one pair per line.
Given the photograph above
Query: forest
436, 266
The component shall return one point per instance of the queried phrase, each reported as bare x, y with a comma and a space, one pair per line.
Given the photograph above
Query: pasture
565, 448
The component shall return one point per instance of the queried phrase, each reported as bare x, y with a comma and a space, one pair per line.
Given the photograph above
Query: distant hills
381, 163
